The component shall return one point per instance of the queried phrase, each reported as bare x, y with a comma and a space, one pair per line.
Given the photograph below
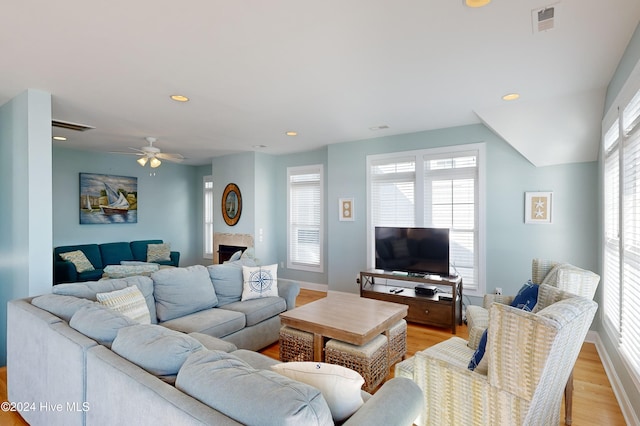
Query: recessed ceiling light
476, 3
510, 97
292, 133
381, 127
179, 98
59, 138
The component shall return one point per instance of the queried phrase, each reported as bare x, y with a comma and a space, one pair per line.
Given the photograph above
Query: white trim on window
207, 217
305, 218
406, 172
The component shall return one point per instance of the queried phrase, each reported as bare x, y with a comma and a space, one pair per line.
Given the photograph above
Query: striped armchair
561, 275
529, 359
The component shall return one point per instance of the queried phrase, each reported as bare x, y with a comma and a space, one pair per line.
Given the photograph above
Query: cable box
426, 290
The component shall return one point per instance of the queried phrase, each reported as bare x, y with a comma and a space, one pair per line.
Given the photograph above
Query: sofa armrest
175, 258
288, 290
64, 272
398, 402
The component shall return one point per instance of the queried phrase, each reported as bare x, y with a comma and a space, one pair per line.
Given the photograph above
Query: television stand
443, 309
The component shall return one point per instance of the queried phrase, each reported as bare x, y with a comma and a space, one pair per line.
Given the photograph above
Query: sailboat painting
108, 199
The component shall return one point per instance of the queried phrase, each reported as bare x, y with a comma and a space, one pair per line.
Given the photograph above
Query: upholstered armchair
561, 275
528, 357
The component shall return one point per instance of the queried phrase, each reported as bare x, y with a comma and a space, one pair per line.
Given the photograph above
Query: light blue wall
25, 213
510, 243
622, 376
282, 163
266, 238
241, 170
169, 206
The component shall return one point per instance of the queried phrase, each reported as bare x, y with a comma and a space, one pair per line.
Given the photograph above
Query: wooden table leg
568, 399
318, 347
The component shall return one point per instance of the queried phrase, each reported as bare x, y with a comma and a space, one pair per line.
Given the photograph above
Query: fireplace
235, 241
225, 252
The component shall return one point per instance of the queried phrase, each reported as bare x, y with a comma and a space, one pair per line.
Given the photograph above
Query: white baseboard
626, 407
309, 286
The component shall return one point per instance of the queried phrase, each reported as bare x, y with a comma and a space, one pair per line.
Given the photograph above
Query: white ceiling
330, 70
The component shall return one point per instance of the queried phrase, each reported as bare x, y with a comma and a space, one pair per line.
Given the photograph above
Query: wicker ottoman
370, 360
295, 345
397, 342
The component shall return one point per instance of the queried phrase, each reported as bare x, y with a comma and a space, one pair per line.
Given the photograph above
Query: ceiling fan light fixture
142, 161
155, 163
476, 3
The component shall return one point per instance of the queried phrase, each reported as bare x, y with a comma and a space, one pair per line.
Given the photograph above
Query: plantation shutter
305, 218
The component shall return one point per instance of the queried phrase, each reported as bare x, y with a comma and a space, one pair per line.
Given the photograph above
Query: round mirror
231, 204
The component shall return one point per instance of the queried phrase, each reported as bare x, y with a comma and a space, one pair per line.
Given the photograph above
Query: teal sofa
101, 255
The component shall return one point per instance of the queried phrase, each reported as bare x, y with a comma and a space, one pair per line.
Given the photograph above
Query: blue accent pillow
479, 353
527, 297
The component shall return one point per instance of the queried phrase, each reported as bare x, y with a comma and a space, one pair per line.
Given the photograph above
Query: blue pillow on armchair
479, 353
527, 297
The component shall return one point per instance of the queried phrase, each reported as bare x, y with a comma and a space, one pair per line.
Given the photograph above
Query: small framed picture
345, 206
538, 208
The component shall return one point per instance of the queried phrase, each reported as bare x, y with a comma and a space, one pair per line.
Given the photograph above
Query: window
207, 197
305, 218
440, 188
621, 251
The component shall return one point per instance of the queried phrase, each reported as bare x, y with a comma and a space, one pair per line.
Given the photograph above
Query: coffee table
345, 317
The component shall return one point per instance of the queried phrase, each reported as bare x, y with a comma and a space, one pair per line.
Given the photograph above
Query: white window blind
207, 184
304, 239
450, 202
431, 188
621, 252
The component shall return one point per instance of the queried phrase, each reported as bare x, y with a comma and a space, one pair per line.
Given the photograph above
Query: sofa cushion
339, 385
99, 323
157, 349
159, 252
267, 398
214, 322
259, 281
129, 301
60, 306
114, 253
213, 343
79, 260
258, 310
94, 275
182, 291
89, 289
228, 281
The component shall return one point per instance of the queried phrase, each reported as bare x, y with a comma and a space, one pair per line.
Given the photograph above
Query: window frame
420, 157
207, 222
291, 263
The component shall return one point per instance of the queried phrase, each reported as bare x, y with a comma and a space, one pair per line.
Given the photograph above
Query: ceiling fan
153, 155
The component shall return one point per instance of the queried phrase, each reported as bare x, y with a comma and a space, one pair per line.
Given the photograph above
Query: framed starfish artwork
538, 207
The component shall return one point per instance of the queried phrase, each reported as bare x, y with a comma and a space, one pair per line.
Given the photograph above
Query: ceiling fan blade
126, 153
170, 157
136, 149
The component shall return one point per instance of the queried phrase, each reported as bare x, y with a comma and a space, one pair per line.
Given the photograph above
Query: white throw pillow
259, 281
340, 386
129, 302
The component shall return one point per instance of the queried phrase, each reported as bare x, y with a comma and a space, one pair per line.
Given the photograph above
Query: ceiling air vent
71, 126
543, 19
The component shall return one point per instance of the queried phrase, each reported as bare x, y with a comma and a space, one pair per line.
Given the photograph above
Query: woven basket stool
397, 342
370, 359
295, 345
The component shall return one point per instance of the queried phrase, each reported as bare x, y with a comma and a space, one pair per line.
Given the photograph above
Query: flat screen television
412, 250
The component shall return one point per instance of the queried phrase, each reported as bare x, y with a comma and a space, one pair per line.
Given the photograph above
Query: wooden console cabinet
430, 310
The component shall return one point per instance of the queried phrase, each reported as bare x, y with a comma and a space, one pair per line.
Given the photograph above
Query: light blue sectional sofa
74, 361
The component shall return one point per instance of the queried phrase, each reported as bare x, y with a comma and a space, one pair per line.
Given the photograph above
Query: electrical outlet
498, 290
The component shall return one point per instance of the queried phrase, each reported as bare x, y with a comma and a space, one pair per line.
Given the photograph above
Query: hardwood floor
593, 399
